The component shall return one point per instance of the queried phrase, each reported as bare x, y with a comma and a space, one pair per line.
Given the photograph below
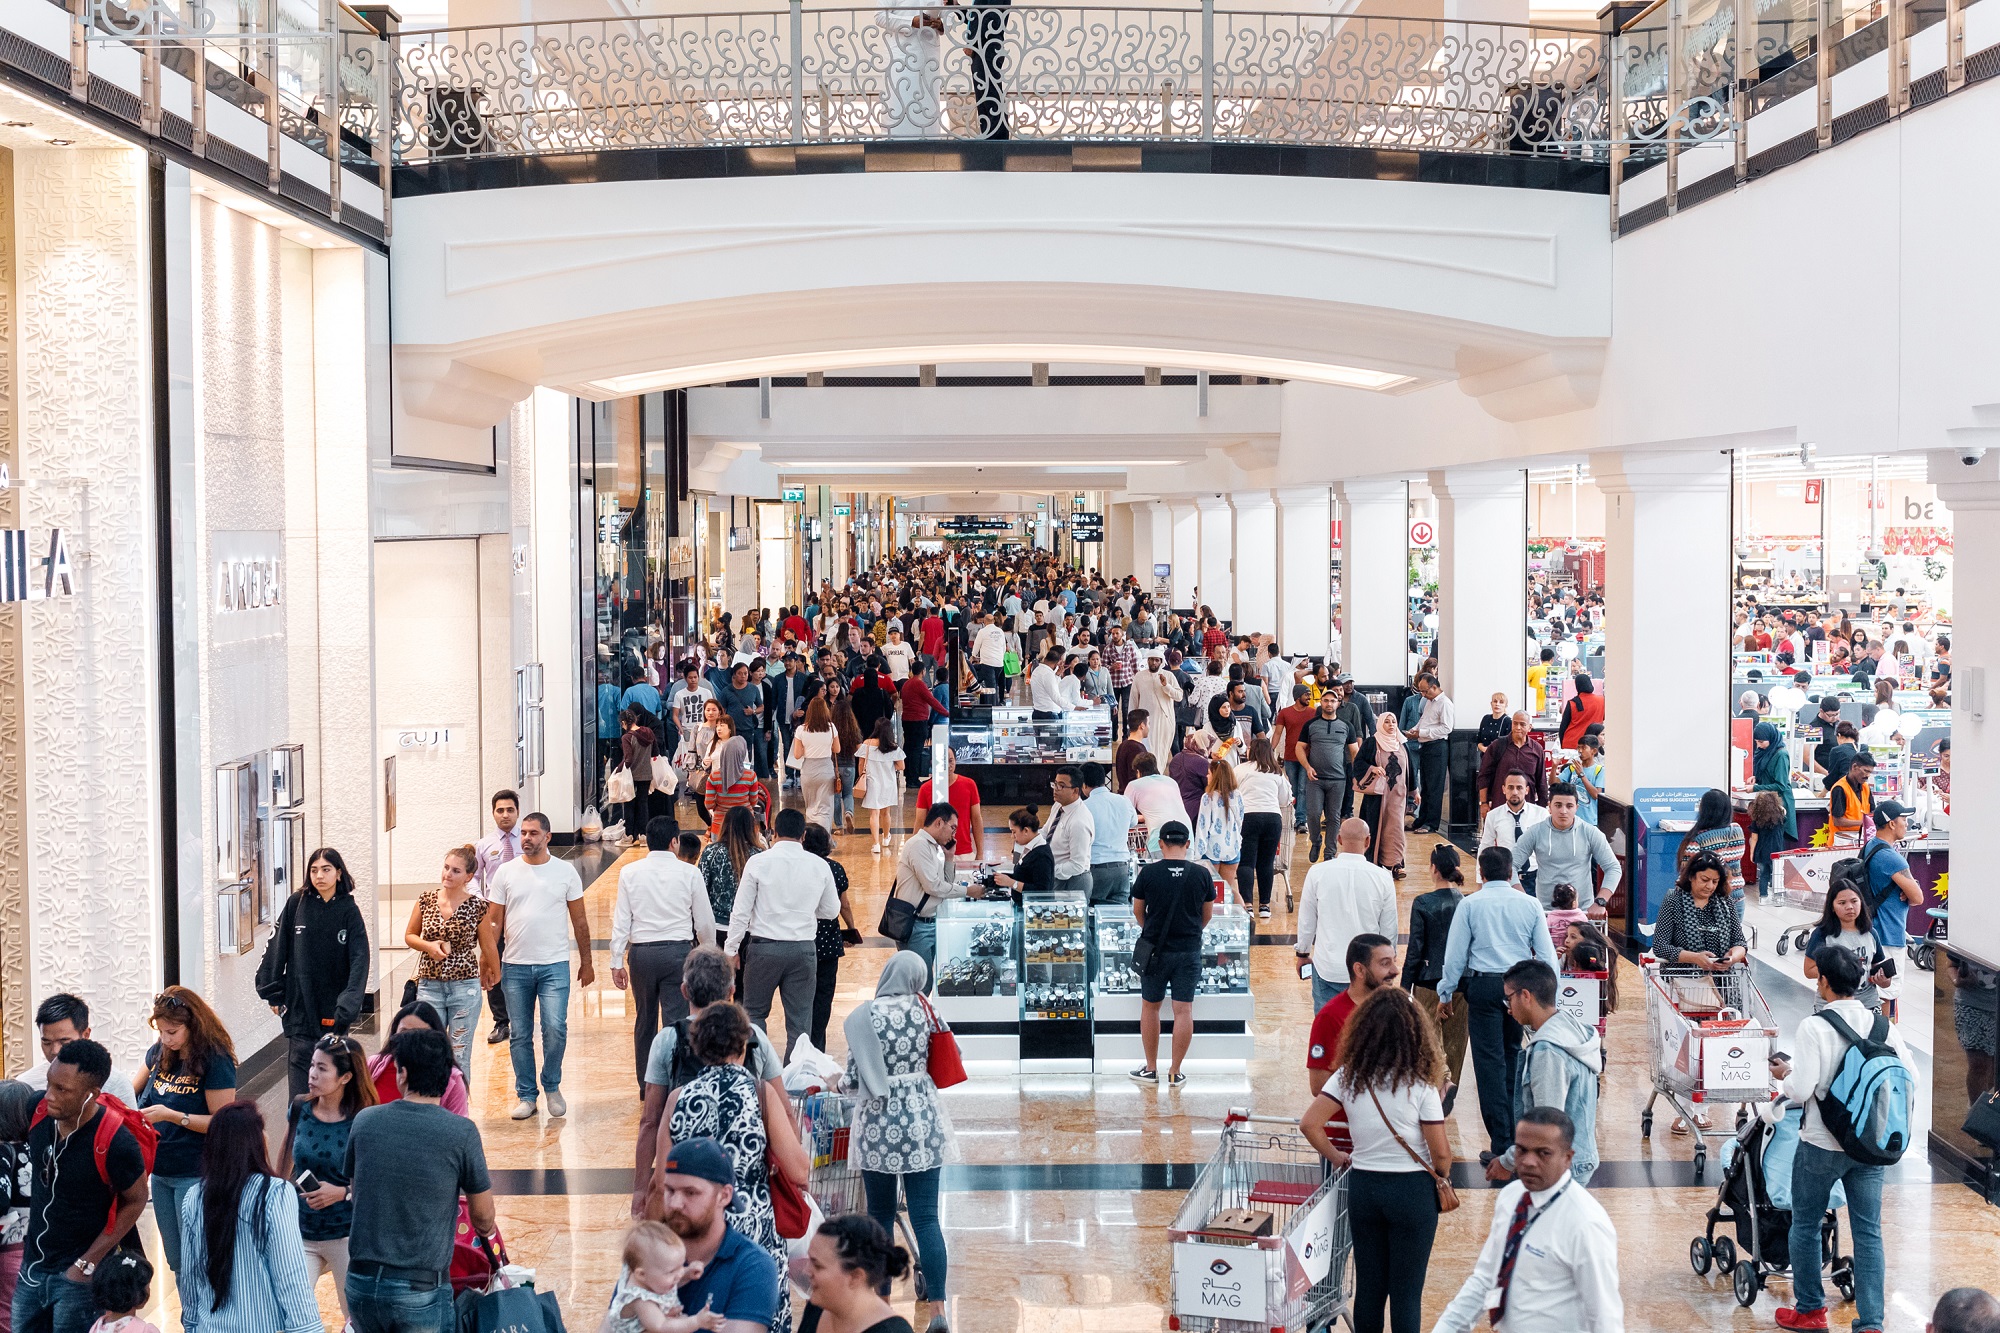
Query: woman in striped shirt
243, 1263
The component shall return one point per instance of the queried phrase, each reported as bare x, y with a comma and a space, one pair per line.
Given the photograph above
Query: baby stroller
1755, 1196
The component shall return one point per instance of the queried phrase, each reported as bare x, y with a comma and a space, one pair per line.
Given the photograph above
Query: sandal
1702, 1123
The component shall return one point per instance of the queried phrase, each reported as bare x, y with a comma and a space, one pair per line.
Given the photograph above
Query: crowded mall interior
998, 667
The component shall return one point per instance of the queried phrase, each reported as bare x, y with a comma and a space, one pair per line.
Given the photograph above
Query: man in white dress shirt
1508, 823
781, 897
989, 653
1550, 1263
492, 853
661, 913
1434, 727
1045, 688
1071, 832
1343, 896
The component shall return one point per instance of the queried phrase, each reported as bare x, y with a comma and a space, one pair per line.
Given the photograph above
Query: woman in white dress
1155, 690
881, 783
911, 107
814, 746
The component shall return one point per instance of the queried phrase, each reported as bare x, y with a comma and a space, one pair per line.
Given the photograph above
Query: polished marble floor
1057, 1219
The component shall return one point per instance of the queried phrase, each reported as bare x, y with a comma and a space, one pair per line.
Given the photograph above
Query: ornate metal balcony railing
1032, 71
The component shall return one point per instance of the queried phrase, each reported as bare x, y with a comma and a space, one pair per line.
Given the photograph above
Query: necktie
1517, 825
1508, 1257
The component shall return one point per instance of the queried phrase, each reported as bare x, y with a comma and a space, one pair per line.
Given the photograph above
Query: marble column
1375, 580
1482, 585
1666, 621
1113, 557
1973, 496
1304, 573
1254, 541
1185, 547
1216, 585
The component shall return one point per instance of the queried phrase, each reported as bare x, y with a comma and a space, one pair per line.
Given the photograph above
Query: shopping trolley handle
1239, 1115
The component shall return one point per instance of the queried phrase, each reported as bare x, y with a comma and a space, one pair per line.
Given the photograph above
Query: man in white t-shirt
898, 654
537, 901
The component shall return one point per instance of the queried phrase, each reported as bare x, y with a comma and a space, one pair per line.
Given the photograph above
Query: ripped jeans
457, 1002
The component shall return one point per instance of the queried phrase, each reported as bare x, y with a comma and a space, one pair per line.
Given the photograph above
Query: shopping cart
1812, 903
826, 1124
1711, 1036
1293, 1278
1587, 996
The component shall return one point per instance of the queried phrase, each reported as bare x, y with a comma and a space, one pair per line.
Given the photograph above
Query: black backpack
685, 1064
1852, 873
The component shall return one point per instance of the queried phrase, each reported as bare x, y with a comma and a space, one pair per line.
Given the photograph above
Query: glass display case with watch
1225, 952
976, 953
1055, 958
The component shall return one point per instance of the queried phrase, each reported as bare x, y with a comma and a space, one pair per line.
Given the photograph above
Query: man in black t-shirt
1172, 901
67, 1235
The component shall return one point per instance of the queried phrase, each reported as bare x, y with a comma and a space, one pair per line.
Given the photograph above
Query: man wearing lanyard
1508, 824
492, 853
1434, 728
1567, 848
1550, 1262
1071, 832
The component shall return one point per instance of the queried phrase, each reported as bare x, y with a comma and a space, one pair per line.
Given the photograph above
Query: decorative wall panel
89, 686
15, 1001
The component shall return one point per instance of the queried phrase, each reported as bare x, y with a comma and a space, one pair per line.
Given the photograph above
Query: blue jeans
1814, 1170
457, 1002
527, 985
168, 1191
1295, 773
46, 1302
1324, 991
393, 1305
923, 943
920, 1193
843, 800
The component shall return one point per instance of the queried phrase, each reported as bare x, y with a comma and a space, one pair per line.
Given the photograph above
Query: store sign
1423, 534
1219, 1282
25, 577
247, 586
419, 739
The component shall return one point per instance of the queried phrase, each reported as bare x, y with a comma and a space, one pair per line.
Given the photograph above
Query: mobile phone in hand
306, 1181
1305, 969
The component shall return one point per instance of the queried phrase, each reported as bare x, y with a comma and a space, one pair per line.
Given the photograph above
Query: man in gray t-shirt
408, 1162
1321, 749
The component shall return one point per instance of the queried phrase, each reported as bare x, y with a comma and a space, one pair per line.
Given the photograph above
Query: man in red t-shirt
1286, 729
1371, 965
932, 645
801, 631
963, 794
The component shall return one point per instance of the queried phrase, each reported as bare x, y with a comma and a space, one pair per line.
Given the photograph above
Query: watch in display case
1055, 958
1225, 952
975, 949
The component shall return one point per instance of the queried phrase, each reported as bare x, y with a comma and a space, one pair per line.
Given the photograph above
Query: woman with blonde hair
1218, 825
457, 952
814, 746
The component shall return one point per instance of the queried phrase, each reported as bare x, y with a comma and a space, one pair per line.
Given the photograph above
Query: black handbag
1143, 953
899, 918
1983, 1121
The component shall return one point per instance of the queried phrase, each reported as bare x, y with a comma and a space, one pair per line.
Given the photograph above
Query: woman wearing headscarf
1385, 787
17, 1108
732, 784
1772, 767
900, 1133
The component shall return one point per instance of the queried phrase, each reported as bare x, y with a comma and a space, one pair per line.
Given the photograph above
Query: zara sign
247, 586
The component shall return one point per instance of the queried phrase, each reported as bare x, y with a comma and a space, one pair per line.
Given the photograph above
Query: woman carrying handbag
1386, 1082
900, 1134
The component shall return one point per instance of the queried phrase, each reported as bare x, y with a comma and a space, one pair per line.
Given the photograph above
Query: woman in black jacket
315, 968
1423, 961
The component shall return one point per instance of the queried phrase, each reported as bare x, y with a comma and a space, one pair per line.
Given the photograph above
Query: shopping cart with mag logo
826, 1127
1710, 1037
1261, 1243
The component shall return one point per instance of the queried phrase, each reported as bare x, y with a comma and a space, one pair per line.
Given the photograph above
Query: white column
1146, 547
1254, 551
1113, 558
1216, 584
1375, 580
1304, 575
1666, 597
1482, 529
1186, 549
1973, 496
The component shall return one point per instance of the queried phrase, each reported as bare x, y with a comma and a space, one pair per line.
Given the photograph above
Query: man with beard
739, 1281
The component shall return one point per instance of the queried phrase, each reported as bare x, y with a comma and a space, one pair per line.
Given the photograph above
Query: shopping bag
810, 1069
618, 787
944, 1063
791, 1208
517, 1310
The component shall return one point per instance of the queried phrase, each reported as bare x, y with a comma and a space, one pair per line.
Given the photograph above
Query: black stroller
1761, 1245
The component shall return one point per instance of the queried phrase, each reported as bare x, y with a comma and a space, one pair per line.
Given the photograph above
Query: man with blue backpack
1851, 1073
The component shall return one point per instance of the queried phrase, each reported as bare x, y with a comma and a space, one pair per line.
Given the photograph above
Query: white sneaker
875, 848
523, 1110
557, 1106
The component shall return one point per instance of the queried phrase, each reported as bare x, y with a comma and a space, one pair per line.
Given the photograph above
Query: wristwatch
186, 1122
87, 1266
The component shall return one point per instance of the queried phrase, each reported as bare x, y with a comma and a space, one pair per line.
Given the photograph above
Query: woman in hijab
732, 784
1385, 787
900, 1132
17, 1108
1773, 771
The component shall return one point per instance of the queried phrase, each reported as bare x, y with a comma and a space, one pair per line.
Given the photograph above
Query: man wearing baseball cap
1892, 889
1172, 902
739, 1280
